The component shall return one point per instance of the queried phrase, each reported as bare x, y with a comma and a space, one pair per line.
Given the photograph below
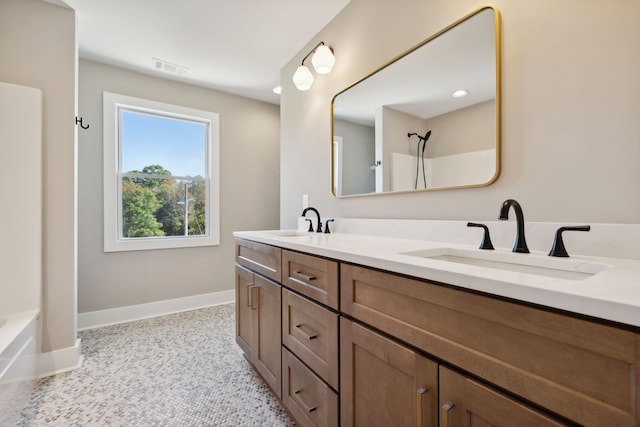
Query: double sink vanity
394, 324
355, 329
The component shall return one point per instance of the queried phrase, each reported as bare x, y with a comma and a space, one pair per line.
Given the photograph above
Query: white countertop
612, 294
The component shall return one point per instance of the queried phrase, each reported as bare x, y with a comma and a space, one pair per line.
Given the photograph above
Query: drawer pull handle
445, 413
304, 276
309, 336
419, 415
308, 407
250, 298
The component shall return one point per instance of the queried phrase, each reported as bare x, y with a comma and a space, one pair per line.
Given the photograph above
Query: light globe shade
303, 78
323, 59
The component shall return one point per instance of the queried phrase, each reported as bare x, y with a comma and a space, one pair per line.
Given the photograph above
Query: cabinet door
267, 356
465, 402
384, 383
246, 320
259, 326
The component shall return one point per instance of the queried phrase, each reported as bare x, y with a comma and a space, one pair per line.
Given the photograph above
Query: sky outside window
178, 146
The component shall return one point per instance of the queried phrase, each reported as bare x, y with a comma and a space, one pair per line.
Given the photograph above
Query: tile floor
177, 370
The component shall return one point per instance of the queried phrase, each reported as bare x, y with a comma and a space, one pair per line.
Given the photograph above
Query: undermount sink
559, 268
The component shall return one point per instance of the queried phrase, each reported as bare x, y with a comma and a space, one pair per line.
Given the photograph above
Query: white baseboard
59, 361
114, 316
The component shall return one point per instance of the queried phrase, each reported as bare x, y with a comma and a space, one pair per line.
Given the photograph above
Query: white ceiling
237, 46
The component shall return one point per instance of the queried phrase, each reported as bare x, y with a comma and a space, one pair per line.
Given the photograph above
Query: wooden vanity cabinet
384, 383
582, 370
349, 345
258, 314
289, 330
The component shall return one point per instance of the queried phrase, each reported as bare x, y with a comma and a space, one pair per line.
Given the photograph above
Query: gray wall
38, 49
358, 151
468, 129
249, 193
571, 102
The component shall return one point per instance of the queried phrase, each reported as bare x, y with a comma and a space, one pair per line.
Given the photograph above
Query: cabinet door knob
419, 416
445, 413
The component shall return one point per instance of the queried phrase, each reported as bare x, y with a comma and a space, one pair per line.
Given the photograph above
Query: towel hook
79, 122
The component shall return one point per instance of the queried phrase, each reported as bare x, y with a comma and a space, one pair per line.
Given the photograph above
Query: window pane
178, 146
165, 192
153, 207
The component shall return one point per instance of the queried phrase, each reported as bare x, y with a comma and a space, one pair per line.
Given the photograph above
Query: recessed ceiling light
168, 67
277, 90
460, 93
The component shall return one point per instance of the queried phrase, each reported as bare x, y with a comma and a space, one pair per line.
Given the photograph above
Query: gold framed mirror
401, 129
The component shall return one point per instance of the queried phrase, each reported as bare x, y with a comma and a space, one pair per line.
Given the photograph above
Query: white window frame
113, 239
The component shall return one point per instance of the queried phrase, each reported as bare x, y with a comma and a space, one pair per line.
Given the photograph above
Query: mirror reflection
427, 120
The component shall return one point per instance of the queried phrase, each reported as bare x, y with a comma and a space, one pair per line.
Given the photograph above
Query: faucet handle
326, 225
310, 230
558, 248
486, 240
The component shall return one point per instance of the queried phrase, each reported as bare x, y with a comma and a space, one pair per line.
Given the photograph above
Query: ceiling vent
169, 67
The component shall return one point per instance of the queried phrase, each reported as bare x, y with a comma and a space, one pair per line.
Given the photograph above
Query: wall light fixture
322, 61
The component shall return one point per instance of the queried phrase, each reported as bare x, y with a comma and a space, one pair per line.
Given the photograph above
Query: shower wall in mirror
427, 120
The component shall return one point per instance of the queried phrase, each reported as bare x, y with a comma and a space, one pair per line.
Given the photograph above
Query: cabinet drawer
311, 332
308, 399
582, 370
312, 276
263, 259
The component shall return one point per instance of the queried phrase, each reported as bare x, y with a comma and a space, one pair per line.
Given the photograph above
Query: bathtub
18, 362
21, 265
